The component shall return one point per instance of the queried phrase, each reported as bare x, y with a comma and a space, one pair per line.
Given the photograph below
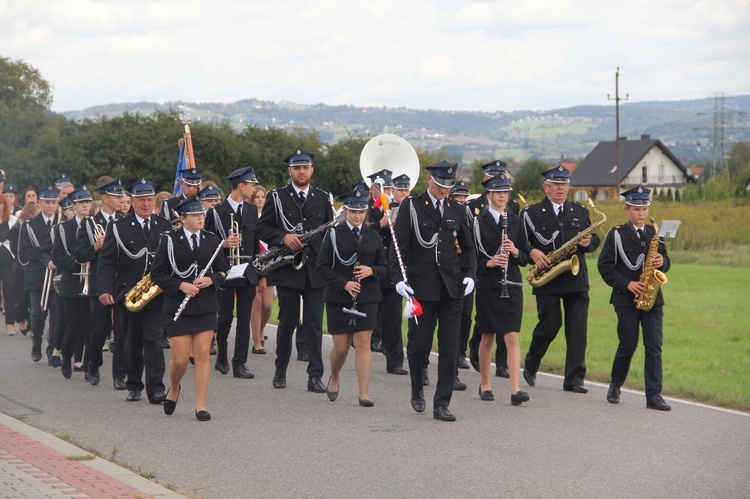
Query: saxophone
652, 278
559, 261
143, 292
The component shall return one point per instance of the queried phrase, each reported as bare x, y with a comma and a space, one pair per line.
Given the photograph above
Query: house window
661, 172
644, 174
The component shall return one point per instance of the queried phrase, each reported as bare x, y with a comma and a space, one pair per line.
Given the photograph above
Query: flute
202, 274
503, 238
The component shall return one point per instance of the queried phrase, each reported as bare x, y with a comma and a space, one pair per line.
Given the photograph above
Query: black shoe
203, 415
259, 351
111, 346
658, 403
133, 396
171, 405
376, 346
157, 398
36, 356
417, 402
119, 384
54, 361
443, 414
80, 369
279, 379
366, 402
518, 397
425, 377
222, 366
24, 331
502, 372
474, 359
462, 364
529, 377
315, 385
302, 355
576, 389
398, 370
332, 396
240, 371
458, 385
66, 368
92, 376
486, 395
613, 394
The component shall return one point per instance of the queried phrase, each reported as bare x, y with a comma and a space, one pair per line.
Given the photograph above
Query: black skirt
497, 315
338, 320
189, 324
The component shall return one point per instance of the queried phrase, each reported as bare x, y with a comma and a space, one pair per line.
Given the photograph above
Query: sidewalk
36, 464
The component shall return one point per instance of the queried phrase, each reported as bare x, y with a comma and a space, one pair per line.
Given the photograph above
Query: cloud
439, 54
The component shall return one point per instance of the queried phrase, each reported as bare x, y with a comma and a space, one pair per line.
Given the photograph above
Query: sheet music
237, 271
668, 229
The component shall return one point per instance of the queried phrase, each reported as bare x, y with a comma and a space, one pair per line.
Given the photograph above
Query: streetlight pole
617, 100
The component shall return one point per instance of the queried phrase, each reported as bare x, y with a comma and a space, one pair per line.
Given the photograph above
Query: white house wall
661, 173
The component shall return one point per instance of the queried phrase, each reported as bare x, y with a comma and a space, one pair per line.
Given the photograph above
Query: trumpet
234, 252
85, 272
49, 275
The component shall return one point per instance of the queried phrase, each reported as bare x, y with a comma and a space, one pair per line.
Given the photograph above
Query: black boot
66, 367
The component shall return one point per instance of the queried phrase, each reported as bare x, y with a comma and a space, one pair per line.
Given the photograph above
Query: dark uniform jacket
481, 203
32, 256
421, 263
63, 255
162, 272
337, 275
85, 241
117, 273
218, 221
271, 229
491, 240
615, 271
374, 216
541, 220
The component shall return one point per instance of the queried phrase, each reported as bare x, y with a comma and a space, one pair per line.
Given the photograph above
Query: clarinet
202, 274
504, 237
353, 311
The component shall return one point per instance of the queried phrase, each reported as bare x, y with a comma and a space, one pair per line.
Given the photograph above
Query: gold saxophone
143, 292
559, 261
652, 278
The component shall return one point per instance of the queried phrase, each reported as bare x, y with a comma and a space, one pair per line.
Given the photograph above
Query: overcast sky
423, 54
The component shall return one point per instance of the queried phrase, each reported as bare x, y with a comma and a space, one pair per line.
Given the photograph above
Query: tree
529, 179
22, 85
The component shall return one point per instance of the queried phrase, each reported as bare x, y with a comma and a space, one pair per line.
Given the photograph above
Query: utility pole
617, 100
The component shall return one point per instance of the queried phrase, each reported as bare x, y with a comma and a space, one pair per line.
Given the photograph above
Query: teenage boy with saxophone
622, 263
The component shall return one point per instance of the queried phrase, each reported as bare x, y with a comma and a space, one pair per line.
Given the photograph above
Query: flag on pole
181, 165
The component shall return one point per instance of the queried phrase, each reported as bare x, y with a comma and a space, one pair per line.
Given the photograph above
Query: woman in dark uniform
352, 262
498, 262
7, 273
182, 255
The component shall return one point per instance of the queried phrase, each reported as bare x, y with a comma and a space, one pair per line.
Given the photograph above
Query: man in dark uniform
104, 318
389, 312
237, 209
125, 257
190, 182
430, 229
35, 256
380, 183
460, 193
77, 313
475, 207
621, 263
549, 224
290, 211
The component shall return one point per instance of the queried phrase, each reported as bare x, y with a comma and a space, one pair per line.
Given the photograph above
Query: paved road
291, 443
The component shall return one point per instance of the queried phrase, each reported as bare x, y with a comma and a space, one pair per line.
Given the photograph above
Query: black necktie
194, 238
110, 219
437, 207
640, 233
301, 197
239, 212
49, 223
355, 231
560, 214
147, 231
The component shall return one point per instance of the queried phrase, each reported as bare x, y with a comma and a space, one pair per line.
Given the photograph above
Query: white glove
404, 289
469, 285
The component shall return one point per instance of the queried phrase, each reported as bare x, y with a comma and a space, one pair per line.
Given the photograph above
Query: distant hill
687, 127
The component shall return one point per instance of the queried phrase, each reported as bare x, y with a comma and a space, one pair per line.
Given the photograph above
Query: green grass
706, 335
85, 457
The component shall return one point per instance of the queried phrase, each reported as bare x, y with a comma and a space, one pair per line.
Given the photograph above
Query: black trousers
576, 307
629, 321
39, 318
77, 327
8, 278
22, 298
446, 314
390, 325
102, 322
312, 326
142, 348
60, 323
245, 296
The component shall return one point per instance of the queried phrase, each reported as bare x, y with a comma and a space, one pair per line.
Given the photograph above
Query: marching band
186, 268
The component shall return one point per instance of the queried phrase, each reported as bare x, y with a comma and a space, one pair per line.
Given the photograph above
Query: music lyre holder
353, 311
668, 229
